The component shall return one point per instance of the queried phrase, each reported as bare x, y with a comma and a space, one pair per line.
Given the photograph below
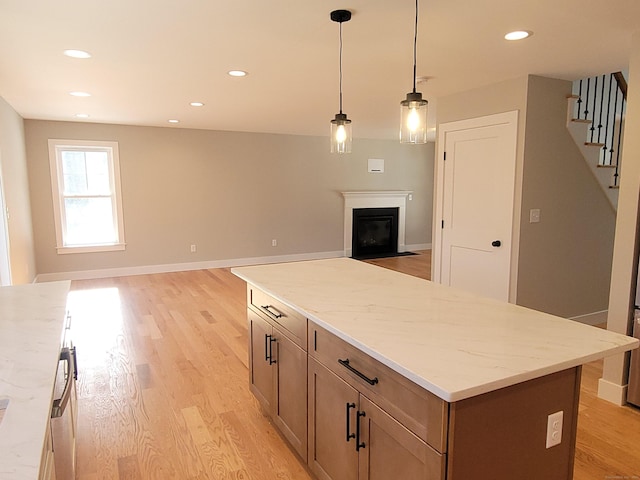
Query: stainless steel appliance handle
60, 404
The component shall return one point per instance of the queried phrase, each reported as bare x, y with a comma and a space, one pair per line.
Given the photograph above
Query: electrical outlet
274, 243
554, 429
193, 249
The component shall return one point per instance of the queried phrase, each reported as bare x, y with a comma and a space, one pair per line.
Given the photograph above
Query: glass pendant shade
413, 119
341, 134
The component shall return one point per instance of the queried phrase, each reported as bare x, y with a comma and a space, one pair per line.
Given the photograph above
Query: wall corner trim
612, 392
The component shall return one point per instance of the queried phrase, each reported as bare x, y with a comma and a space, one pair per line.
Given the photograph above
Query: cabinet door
332, 421
47, 462
392, 451
291, 391
261, 376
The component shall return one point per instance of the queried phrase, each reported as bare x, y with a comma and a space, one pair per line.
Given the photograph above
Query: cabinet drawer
293, 323
420, 411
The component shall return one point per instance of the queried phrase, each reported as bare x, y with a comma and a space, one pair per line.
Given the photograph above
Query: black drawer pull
274, 314
345, 364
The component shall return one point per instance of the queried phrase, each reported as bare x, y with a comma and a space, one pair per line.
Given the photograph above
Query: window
85, 183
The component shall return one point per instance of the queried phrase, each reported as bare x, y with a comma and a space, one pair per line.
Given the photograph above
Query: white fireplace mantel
374, 199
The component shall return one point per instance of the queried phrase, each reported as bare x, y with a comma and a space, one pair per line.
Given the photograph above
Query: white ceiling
152, 57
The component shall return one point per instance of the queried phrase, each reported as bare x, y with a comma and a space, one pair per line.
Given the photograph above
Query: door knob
496, 243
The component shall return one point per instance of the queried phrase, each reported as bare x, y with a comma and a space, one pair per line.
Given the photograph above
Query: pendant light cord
340, 67
415, 47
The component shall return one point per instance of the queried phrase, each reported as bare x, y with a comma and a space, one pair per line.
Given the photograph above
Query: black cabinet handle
359, 444
60, 404
272, 311
272, 339
349, 434
268, 348
496, 243
345, 364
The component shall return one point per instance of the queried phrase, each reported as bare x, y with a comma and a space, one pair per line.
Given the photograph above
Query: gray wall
13, 168
229, 193
562, 264
565, 260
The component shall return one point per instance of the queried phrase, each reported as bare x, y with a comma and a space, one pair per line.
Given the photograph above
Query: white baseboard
417, 246
612, 392
182, 267
595, 318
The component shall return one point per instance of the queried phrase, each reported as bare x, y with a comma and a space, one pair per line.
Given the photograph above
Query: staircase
595, 119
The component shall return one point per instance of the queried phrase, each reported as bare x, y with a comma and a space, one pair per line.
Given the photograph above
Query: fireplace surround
379, 199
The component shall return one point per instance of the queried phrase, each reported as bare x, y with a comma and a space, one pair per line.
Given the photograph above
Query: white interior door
476, 186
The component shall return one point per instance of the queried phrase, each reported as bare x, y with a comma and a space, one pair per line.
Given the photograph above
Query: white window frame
56, 146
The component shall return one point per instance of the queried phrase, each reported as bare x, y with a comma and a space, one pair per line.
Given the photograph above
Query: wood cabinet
351, 437
278, 367
333, 405
392, 451
351, 417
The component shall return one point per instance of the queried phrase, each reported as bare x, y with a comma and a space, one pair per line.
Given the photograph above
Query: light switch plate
534, 215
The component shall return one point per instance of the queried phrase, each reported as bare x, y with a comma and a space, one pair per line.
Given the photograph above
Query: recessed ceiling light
77, 54
237, 73
518, 35
80, 94
197, 104
82, 115
173, 120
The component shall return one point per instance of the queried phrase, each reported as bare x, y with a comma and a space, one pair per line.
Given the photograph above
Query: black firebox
375, 232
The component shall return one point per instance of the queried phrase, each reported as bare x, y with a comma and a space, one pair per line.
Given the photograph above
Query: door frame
510, 118
5, 268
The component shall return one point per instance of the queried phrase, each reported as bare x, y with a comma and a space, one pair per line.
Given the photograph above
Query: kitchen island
406, 377
32, 323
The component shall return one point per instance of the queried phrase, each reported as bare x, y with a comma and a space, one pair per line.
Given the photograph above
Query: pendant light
413, 110
341, 125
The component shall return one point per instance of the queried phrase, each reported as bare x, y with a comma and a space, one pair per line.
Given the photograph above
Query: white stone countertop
32, 319
454, 344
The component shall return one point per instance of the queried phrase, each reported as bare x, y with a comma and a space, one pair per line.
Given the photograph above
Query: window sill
91, 248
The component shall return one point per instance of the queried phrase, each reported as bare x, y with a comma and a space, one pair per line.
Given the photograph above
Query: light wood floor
163, 386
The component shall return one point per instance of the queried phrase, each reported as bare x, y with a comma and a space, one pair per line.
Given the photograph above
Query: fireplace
379, 199
375, 232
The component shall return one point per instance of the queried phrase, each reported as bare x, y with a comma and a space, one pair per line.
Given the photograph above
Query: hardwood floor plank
163, 386
418, 265
128, 468
217, 453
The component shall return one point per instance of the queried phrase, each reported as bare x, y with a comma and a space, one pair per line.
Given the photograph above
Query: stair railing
604, 105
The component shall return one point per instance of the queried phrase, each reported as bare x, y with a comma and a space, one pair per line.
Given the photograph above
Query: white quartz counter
452, 343
31, 325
